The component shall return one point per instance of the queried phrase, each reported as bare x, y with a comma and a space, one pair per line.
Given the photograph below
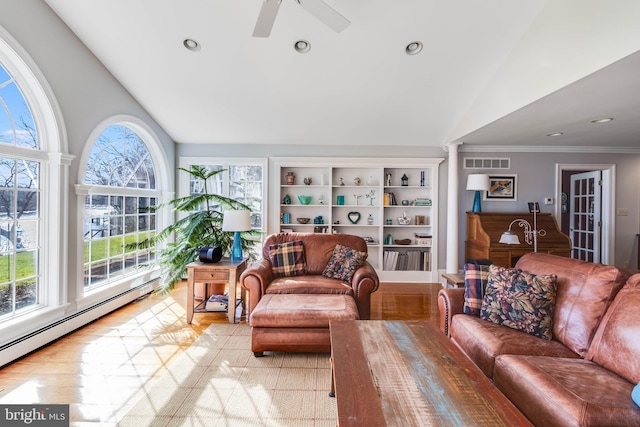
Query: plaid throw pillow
475, 282
287, 259
344, 262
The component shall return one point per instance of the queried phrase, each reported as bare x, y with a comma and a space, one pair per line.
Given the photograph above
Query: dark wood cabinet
485, 228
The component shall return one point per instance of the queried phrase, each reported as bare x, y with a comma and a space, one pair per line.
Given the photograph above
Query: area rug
218, 382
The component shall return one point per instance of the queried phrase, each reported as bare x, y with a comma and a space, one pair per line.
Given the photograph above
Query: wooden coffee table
395, 373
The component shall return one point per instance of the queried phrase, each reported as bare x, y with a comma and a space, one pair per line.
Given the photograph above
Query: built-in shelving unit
368, 198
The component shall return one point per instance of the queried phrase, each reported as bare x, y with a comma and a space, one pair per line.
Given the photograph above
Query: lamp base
476, 202
236, 249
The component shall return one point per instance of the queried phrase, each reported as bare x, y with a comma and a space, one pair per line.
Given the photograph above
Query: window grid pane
19, 236
108, 229
119, 158
16, 121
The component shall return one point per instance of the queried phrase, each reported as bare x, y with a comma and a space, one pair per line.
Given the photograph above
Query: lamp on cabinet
531, 233
477, 182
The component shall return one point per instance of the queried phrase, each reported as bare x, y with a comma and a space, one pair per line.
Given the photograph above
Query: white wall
85, 91
261, 150
537, 179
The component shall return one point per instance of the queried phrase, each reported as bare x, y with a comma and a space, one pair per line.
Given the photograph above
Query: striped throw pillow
475, 282
287, 259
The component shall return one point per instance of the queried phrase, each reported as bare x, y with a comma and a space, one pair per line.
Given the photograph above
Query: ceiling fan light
191, 44
302, 46
413, 48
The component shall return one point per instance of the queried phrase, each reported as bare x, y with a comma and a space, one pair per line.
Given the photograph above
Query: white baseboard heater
36, 339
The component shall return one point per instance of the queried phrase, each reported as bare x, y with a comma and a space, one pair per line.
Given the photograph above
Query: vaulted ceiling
493, 72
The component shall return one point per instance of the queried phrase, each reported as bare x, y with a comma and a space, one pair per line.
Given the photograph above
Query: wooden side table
225, 271
454, 280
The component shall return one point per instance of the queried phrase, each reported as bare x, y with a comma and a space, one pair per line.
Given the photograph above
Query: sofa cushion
344, 262
483, 341
616, 344
520, 300
309, 284
585, 290
475, 282
554, 391
302, 311
287, 259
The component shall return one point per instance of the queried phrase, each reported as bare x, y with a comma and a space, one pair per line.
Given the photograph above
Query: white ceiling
492, 72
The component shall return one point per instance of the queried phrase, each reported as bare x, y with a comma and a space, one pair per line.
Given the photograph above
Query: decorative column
452, 239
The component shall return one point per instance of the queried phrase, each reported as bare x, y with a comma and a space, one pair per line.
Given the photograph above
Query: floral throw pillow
344, 262
520, 300
287, 259
475, 281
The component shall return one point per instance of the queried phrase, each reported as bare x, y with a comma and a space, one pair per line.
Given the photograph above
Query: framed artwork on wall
502, 188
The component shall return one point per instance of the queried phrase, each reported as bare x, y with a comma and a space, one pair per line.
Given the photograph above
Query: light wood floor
102, 369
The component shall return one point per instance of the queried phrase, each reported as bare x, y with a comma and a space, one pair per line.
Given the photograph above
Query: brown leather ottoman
297, 322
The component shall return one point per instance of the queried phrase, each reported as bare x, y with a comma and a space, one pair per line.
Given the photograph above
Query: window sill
98, 295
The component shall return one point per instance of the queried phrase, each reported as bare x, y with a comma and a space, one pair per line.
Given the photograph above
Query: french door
585, 216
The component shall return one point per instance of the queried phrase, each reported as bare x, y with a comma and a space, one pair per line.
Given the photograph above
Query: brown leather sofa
295, 311
584, 376
318, 248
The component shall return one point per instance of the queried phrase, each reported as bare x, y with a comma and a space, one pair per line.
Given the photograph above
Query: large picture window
20, 275
242, 179
119, 208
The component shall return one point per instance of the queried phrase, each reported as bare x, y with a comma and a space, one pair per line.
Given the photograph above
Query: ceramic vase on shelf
291, 178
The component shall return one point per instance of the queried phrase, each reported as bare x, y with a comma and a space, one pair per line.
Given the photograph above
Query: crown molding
547, 149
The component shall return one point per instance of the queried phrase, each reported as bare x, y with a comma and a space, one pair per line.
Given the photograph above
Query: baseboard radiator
26, 344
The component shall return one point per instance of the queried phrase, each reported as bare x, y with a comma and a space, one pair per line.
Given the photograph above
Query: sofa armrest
364, 282
255, 280
450, 302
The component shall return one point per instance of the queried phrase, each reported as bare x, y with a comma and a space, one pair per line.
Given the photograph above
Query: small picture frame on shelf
502, 188
420, 220
320, 229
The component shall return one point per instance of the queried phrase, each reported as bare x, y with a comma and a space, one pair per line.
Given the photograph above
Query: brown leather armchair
258, 279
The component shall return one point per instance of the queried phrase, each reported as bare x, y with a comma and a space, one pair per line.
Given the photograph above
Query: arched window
20, 275
119, 206
33, 184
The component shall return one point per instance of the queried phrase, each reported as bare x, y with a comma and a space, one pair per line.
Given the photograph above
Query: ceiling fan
317, 8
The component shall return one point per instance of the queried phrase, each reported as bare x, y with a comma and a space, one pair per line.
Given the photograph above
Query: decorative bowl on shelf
305, 200
303, 220
404, 220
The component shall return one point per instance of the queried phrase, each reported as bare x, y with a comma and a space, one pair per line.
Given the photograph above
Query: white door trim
608, 204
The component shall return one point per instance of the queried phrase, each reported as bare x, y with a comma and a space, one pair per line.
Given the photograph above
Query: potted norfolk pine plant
200, 226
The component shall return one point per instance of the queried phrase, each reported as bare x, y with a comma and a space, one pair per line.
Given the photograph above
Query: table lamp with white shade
477, 182
236, 221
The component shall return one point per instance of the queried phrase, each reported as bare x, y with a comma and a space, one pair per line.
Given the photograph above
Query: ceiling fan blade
326, 14
266, 18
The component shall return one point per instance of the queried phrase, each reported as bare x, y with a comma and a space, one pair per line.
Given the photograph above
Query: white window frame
89, 297
225, 162
54, 179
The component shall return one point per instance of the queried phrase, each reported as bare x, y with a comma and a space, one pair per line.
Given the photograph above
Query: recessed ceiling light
604, 120
413, 48
191, 44
302, 46
555, 134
